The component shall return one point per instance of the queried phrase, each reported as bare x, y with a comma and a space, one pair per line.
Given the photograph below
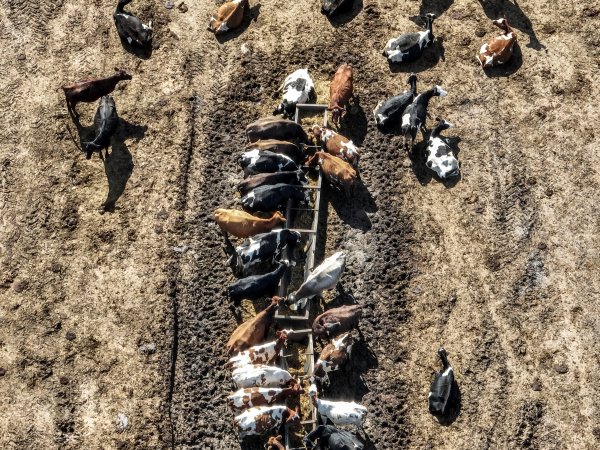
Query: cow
255, 162
297, 88
333, 356
257, 286
243, 225
409, 47
340, 92
259, 354
253, 331
261, 396
337, 171
332, 7
263, 419
262, 250
262, 376
389, 111
92, 89
415, 114
337, 412
274, 443
229, 16
272, 197
333, 439
335, 321
441, 387
335, 144
288, 149
106, 121
440, 157
130, 28
498, 50
275, 128
296, 178
325, 276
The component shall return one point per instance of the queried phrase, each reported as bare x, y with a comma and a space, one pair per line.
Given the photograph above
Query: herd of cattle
278, 152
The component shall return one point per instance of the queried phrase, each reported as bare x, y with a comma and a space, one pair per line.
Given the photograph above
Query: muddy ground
112, 277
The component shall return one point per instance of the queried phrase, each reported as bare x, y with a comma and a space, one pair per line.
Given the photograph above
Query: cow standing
259, 354
106, 121
130, 28
259, 421
389, 111
340, 92
333, 439
255, 162
441, 387
275, 128
261, 396
288, 149
261, 375
242, 224
335, 321
335, 144
415, 114
257, 286
337, 171
339, 413
91, 89
333, 356
254, 330
296, 178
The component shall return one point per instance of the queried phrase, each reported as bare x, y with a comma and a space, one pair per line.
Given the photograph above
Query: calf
229, 16
261, 396
337, 320
243, 225
257, 286
106, 121
252, 331
130, 28
409, 47
264, 248
415, 114
92, 89
340, 92
288, 149
332, 7
272, 197
337, 171
339, 413
296, 178
255, 162
325, 276
297, 88
263, 419
389, 112
275, 128
335, 144
274, 443
440, 157
441, 388
259, 354
333, 439
261, 375
499, 50
333, 356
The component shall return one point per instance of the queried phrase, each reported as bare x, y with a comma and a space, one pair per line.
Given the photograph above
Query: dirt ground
113, 310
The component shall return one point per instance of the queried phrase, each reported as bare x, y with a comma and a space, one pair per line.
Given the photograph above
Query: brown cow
229, 16
333, 356
275, 128
91, 89
336, 144
243, 225
336, 170
252, 331
337, 320
340, 92
500, 49
274, 443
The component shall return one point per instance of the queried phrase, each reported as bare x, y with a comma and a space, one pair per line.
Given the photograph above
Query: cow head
121, 74
316, 134
336, 113
502, 23
439, 91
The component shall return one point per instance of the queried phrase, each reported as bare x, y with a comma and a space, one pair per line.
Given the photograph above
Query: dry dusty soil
113, 313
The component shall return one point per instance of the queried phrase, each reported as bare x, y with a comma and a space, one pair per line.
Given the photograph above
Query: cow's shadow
418, 160
346, 14
354, 210
137, 50
437, 7
455, 404
429, 59
354, 124
250, 15
510, 68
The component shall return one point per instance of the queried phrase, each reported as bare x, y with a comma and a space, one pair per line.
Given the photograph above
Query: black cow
130, 28
106, 121
415, 114
257, 286
296, 178
333, 439
255, 162
441, 388
331, 7
275, 128
388, 112
272, 197
262, 249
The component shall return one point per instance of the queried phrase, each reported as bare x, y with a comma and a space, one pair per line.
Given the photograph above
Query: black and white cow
440, 157
332, 7
262, 250
272, 197
257, 286
255, 162
333, 439
297, 88
389, 112
415, 114
286, 148
409, 47
130, 28
295, 178
441, 388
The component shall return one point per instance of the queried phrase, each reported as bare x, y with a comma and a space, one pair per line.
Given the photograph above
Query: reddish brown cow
92, 89
336, 144
337, 320
243, 225
253, 331
229, 16
500, 49
336, 170
340, 92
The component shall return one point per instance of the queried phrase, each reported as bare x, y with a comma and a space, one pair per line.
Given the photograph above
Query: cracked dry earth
500, 267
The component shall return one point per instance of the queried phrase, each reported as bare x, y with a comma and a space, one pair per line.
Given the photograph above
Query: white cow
340, 413
260, 375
